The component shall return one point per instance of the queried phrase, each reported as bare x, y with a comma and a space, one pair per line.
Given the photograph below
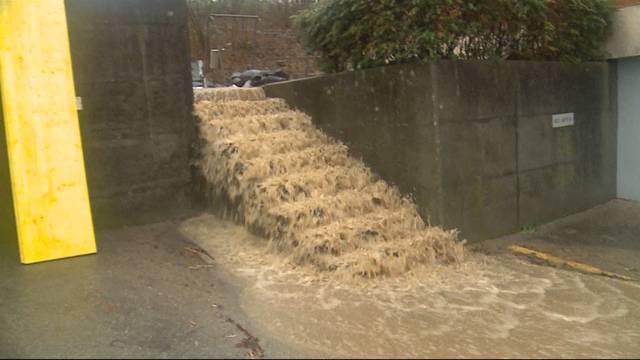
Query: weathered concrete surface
472, 141
131, 68
147, 294
476, 113
569, 169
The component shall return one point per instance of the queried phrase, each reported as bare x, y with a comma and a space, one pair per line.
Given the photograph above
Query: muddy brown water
484, 307
286, 179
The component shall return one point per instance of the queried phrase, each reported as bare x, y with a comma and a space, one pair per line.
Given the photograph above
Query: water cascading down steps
286, 180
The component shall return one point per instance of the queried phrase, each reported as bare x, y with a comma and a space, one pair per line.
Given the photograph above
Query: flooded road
489, 306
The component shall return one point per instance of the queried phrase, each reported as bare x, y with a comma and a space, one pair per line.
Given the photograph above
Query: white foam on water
277, 170
484, 307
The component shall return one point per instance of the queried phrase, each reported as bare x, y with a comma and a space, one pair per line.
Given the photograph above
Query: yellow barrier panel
48, 181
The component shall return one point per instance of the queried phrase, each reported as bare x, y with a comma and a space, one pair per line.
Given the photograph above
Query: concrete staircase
288, 181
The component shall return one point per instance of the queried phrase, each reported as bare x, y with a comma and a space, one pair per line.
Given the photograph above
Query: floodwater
299, 187
484, 307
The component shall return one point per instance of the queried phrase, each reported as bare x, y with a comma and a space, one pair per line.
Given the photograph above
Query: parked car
254, 77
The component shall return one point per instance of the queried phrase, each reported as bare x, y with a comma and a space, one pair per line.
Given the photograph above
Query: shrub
349, 34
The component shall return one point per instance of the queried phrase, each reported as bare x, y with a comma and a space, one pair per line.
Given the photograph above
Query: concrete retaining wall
131, 68
473, 141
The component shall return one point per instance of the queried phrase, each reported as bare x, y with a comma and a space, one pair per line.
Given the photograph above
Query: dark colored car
258, 77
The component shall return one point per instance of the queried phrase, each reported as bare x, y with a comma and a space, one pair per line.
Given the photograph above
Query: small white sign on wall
561, 120
78, 103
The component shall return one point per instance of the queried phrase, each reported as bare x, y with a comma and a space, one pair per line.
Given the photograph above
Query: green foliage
351, 34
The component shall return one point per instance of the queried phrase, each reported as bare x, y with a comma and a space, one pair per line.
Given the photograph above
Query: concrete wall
472, 141
629, 128
131, 68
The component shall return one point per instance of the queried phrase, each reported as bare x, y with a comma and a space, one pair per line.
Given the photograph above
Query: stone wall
472, 141
132, 71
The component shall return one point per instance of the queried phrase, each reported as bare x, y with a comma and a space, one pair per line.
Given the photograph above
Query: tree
350, 34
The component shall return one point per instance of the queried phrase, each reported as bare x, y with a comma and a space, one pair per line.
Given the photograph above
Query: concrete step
323, 209
285, 141
311, 181
378, 226
308, 159
213, 110
256, 124
227, 94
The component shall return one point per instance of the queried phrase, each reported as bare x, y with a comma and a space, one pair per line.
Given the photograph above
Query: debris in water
250, 342
199, 252
287, 180
555, 261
